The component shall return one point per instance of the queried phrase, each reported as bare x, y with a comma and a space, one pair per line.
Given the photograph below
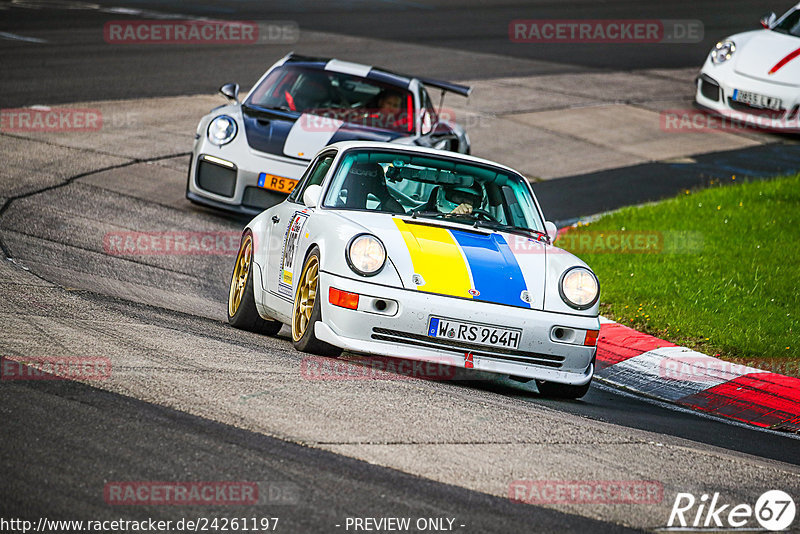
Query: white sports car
420, 254
248, 156
754, 77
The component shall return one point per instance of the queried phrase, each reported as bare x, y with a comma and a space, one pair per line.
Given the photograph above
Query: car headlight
365, 254
579, 288
222, 130
722, 51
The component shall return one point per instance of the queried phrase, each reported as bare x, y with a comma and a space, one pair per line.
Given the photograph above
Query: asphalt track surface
317, 489
467, 39
602, 191
61, 440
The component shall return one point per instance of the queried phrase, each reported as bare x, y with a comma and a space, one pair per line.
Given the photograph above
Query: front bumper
227, 177
401, 331
714, 92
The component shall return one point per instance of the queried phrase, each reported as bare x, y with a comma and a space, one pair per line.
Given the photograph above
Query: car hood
284, 134
763, 52
458, 261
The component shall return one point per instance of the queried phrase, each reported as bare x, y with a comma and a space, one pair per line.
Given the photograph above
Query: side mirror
768, 20
311, 195
231, 91
551, 230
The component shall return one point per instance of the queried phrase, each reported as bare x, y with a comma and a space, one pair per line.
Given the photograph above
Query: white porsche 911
419, 254
754, 77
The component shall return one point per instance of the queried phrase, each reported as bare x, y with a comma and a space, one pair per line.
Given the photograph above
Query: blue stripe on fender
495, 271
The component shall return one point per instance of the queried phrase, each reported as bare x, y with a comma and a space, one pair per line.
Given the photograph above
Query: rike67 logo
773, 511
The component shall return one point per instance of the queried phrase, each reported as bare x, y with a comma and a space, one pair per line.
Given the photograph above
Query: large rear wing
463, 90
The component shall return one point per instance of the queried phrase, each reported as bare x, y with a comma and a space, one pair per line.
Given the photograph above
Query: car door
288, 221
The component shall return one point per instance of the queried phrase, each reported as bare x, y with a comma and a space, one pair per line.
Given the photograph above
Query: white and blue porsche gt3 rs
248, 157
754, 77
419, 254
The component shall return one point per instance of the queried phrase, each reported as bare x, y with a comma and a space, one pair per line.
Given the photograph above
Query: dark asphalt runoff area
602, 191
62, 441
76, 64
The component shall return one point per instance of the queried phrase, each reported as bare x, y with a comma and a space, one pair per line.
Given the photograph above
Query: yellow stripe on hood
437, 258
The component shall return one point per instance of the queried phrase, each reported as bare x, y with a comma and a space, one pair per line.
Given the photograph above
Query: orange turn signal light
591, 338
344, 299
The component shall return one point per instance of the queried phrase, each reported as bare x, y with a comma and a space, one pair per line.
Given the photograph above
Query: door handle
275, 219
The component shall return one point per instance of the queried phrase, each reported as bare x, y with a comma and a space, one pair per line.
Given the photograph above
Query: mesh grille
216, 178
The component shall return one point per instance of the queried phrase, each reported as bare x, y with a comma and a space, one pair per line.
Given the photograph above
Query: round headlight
222, 130
722, 51
366, 255
579, 288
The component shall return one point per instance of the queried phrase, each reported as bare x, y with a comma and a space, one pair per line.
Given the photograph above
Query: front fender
261, 240
331, 233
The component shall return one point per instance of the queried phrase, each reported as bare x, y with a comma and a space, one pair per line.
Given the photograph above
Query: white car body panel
303, 140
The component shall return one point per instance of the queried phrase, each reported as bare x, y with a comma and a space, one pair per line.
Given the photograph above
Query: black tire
245, 316
303, 336
562, 391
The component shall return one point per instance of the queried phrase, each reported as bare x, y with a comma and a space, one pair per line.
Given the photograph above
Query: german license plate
756, 100
481, 334
276, 183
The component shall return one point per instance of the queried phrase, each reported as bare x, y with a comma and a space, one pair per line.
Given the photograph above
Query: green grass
723, 278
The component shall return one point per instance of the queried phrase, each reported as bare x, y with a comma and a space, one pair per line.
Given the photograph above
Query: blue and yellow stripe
453, 262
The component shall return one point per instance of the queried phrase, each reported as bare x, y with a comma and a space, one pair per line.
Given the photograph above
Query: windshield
789, 23
436, 187
340, 97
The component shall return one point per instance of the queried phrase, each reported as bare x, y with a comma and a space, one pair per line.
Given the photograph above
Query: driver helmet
455, 195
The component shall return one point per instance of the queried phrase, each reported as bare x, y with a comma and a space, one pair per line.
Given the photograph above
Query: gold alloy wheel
241, 271
306, 295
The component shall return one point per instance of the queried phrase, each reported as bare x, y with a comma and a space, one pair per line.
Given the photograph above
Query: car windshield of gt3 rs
337, 96
427, 186
789, 24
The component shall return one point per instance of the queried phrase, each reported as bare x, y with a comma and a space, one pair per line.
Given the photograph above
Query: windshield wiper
480, 223
428, 214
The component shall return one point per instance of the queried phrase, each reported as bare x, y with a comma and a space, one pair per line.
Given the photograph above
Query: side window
314, 175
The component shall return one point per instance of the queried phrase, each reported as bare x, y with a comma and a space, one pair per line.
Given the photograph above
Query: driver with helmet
460, 199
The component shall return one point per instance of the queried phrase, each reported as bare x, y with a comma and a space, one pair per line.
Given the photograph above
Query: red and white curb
664, 371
